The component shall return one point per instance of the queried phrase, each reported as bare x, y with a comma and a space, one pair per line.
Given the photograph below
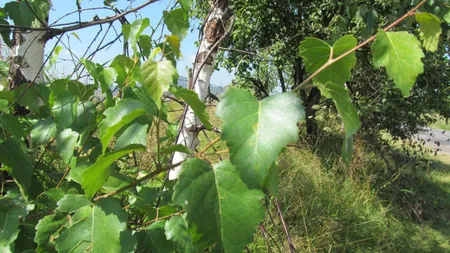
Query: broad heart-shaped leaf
178, 232
347, 111
13, 155
43, 131
98, 228
256, 131
401, 55
317, 52
98, 173
177, 22
133, 31
12, 125
66, 141
430, 30
156, 78
119, 116
46, 229
191, 98
9, 224
218, 204
153, 239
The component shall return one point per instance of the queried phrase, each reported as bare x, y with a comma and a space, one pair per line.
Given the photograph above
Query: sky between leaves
153, 12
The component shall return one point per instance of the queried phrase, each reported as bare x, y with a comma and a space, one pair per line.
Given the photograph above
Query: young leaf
219, 204
98, 228
9, 224
191, 98
256, 131
430, 30
119, 116
66, 141
178, 232
136, 28
157, 77
344, 105
401, 55
174, 42
13, 155
153, 239
317, 52
98, 173
177, 22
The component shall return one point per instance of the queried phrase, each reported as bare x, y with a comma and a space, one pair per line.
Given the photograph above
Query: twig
134, 183
285, 228
163, 218
201, 153
63, 177
332, 61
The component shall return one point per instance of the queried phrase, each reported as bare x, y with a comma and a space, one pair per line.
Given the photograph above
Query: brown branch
332, 61
57, 31
200, 154
135, 183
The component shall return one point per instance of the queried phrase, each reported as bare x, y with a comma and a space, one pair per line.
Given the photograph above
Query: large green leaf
13, 155
98, 173
156, 78
317, 52
177, 22
256, 131
123, 66
400, 54
47, 229
66, 141
191, 98
119, 116
347, 111
71, 203
133, 31
219, 204
153, 239
65, 110
43, 131
134, 134
20, 13
178, 232
12, 125
430, 30
185, 5
98, 228
10, 216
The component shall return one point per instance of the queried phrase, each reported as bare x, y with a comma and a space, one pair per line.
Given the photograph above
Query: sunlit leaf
156, 78
430, 30
191, 98
177, 22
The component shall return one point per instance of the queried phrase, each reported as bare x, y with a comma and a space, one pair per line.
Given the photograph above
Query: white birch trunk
213, 30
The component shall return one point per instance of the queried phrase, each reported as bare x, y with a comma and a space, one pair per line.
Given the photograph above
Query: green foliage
248, 129
221, 206
400, 54
191, 98
13, 155
157, 78
430, 30
10, 216
177, 21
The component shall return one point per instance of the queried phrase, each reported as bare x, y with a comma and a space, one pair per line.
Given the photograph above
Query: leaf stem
201, 153
333, 60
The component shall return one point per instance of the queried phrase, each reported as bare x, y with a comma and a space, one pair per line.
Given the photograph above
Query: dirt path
436, 139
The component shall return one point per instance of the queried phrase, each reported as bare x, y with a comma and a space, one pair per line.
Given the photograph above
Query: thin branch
285, 228
201, 153
332, 61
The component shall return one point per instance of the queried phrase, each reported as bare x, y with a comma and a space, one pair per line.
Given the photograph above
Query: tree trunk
213, 31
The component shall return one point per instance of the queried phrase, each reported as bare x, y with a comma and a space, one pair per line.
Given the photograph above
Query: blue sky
153, 12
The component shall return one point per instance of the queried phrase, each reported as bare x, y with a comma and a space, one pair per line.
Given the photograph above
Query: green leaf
145, 42
317, 52
134, 134
153, 239
347, 150
136, 28
98, 228
191, 98
6, 33
103, 76
344, 105
4, 68
13, 155
177, 231
71, 203
256, 131
54, 56
400, 54
157, 78
176, 148
123, 66
10, 216
430, 30
98, 173
50, 197
66, 141
273, 181
119, 116
177, 22
47, 229
12, 125
65, 110
185, 4
43, 131
174, 42
20, 13
219, 204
